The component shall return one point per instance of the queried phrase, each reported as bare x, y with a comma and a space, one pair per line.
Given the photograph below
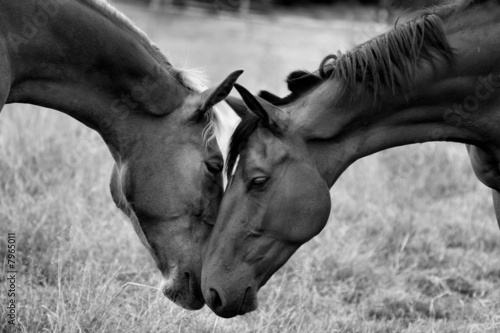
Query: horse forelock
227, 122
242, 133
239, 139
221, 119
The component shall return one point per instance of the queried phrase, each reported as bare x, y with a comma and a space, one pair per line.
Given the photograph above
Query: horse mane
191, 79
110, 12
389, 61
408, 45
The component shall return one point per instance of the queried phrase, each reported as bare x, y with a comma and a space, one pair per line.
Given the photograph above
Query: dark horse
435, 78
85, 59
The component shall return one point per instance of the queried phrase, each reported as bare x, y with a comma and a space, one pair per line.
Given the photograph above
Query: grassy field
412, 244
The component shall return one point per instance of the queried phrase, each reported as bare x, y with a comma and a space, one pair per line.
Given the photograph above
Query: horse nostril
215, 299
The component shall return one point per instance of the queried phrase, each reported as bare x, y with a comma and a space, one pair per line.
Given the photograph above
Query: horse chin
186, 294
249, 302
186, 300
191, 303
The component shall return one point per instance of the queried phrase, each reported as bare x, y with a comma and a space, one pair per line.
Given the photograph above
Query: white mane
222, 119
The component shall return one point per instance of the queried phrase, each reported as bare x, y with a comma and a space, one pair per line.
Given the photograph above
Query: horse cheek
308, 203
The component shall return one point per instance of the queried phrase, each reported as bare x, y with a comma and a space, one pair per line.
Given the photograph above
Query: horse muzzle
228, 305
184, 290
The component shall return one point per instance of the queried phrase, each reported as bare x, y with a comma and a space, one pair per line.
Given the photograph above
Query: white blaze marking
235, 165
227, 120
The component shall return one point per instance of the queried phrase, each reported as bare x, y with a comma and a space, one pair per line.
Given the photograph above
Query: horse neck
72, 57
446, 103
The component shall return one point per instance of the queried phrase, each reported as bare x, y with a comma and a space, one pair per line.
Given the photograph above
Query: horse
433, 78
160, 123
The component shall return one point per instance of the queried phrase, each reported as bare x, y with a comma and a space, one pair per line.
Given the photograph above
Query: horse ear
212, 96
300, 81
260, 107
238, 106
270, 97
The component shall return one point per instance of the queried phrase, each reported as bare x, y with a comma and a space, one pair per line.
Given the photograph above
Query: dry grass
412, 245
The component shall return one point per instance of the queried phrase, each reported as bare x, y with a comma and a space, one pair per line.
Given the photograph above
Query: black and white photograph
250, 166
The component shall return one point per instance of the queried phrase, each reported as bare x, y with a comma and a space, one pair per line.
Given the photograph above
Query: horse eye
213, 167
259, 181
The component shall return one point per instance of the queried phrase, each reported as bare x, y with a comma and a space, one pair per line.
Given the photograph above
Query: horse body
435, 78
85, 59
